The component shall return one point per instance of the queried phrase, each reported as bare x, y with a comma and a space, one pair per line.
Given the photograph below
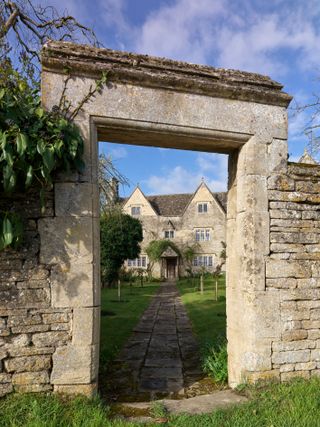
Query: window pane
199, 207
205, 207
207, 234
210, 261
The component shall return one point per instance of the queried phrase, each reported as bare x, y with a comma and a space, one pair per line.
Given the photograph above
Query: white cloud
211, 167
117, 153
180, 30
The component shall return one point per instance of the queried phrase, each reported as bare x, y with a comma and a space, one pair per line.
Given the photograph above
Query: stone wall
30, 329
293, 270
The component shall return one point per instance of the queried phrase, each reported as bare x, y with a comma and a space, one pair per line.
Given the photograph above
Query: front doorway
171, 268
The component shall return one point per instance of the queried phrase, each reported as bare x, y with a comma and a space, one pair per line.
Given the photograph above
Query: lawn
119, 318
207, 315
277, 405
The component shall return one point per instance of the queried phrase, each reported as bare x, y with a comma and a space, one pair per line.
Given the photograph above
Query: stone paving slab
204, 404
161, 358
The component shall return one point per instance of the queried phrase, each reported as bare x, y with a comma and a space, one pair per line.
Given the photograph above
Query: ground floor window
140, 262
203, 261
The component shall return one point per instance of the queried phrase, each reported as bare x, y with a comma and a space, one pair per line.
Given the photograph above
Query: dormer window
169, 234
135, 210
202, 208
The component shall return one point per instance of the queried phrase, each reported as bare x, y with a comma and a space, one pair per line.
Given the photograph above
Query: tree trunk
201, 284
119, 290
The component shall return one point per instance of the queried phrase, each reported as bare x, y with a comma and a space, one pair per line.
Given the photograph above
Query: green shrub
215, 362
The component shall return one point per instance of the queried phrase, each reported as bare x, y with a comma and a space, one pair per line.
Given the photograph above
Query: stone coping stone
195, 405
146, 70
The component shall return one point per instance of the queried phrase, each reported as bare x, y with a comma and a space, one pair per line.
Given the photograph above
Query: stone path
161, 358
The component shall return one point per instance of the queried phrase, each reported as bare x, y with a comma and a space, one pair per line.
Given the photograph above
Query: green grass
208, 318
119, 318
275, 405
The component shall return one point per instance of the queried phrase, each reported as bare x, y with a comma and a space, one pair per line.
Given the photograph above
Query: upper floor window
202, 234
135, 210
169, 234
202, 207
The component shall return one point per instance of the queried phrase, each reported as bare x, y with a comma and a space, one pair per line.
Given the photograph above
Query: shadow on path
161, 358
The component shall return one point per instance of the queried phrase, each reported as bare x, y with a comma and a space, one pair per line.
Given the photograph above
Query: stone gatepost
158, 102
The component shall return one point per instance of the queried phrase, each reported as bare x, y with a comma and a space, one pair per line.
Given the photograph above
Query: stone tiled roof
175, 204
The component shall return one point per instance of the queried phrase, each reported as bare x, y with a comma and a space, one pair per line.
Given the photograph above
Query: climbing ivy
34, 145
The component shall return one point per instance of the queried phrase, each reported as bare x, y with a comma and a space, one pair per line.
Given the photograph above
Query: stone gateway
50, 289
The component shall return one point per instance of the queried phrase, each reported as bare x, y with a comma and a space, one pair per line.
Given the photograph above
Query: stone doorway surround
159, 102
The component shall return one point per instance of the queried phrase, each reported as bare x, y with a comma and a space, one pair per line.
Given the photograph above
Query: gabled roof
176, 204
307, 158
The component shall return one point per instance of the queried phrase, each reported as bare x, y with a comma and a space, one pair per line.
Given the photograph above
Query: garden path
161, 358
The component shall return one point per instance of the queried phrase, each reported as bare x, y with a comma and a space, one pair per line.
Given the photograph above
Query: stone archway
158, 102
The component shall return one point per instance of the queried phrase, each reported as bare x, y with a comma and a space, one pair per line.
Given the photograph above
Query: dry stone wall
30, 329
293, 269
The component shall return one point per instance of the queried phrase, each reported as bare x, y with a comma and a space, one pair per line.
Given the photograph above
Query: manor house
196, 220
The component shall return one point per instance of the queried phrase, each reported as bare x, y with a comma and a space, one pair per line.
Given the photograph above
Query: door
171, 268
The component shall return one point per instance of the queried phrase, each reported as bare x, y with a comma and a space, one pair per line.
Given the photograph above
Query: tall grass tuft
215, 362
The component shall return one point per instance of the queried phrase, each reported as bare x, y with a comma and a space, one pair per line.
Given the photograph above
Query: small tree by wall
120, 238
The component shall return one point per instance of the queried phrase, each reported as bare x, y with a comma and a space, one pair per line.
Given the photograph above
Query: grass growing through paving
279, 405
208, 318
119, 318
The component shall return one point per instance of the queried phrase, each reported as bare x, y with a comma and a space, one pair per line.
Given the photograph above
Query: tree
109, 179
120, 238
25, 27
188, 253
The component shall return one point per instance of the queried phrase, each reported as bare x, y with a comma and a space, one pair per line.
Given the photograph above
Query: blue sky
280, 38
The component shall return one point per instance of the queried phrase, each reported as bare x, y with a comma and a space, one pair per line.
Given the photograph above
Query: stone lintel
162, 73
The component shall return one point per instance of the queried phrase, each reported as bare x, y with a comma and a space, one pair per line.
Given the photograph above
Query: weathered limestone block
74, 364
85, 326
295, 335
66, 240
281, 182
13, 297
50, 339
30, 351
308, 366
29, 329
5, 378
60, 317
308, 186
286, 247
315, 215
286, 269
303, 344
286, 214
311, 324
277, 156
34, 284
313, 334
28, 378
271, 375
291, 356
83, 389
288, 376
74, 199
281, 283
5, 389
24, 320
28, 363
253, 193
21, 340
70, 286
